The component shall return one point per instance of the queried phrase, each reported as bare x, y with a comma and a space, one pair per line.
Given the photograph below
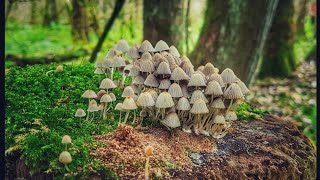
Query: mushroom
198, 94
228, 76
122, 46
208, 69
65, 158
151, 81
163, 101
146, 46
233, 92
127, 105
178, 74
107, 84
197, 81
134, 71
173, 51
147, 66
183, 106
161, 46
163, 69
198, 108
127, 92
230, 116
148, 152
89, 94
164, 84
171, 121
216, 77
93, 107
213, 89
145, 100
175, 90
218, 126
112, 52
187, 68
100, 94
80, 113
105, 99
66, 140
200, 68
58, 69
119, 107
118, 62
133, 52
146, 56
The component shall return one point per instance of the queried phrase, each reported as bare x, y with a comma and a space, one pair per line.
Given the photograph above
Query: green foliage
39, 112
247, 112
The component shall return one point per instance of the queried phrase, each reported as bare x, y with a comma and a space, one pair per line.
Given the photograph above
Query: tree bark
278, 57
233, 35
163, 20
116, 11
80, 28
33, 12
50, 12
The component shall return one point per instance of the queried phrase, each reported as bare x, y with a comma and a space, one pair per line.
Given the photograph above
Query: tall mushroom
89, 94
199, 107
163, 101
127, 105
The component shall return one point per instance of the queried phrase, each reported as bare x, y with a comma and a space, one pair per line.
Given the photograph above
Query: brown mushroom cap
213, 88
106, 63
65, 157
113, 97
135, 88
89, 94
183, 104
146, 46
122, 45
151, 81
106, 98
233, 92
149, 151
129, 104
101, 93
80, 113
199, 107
128, 91
164, 100
118, 107
175, 90
161, 46
164, 84
145, 100
173, 51
171, 120
107, 84
198, 94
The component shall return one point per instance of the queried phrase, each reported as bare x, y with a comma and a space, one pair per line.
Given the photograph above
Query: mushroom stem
229, 105
88, 116
146, 169
49, 72
126, 117
66, 147
119, 119
112, 69
123, 79
163, 112
66, 166
134, 115
92, 117
105, 111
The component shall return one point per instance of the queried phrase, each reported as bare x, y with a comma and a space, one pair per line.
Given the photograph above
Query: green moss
247, 112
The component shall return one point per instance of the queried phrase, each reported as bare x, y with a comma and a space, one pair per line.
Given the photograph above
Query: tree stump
266, 148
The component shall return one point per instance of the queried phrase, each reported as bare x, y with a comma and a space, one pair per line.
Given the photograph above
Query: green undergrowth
40, 110
247, 112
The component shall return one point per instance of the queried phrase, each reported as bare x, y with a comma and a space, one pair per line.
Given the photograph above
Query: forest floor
292, 98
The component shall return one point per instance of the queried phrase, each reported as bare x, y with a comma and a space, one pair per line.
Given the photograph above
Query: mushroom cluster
168, 89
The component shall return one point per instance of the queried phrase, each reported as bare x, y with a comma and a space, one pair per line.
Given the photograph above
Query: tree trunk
163, 20
50, 12
80, 28
33, 12
278, 57
233, 35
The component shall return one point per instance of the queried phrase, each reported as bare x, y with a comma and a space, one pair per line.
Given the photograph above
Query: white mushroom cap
164, 100
175, 90
198, 94
157, 59
107, 84
135, 97
65, 157
233, 92
66, 139
231, 115
153, 93
219, 119
122, 45
146, 46
164, 84
93, 106
178, 74
138, 80
134, 71
151, 81
199, 107
112, 52
173, 50
133, 52
177, 60
119, 107
106, 98
171, 120
126, 69
135, 88
146, 66
185, 59
89, 94
145, 100
161, 46
163, 68
208, 69
218, 104
213, 88
197, 80
118, 61
216, 77
80, 113
98, 71
183, 104
113, 97
129, 104
243, 87
200, 68
128, 91
146, 56
228, 76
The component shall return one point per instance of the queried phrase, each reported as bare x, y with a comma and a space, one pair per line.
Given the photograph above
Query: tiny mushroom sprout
66, 140
65, 158
105, 99
127, 105
164, 101
148, 152
119, 108
93, 107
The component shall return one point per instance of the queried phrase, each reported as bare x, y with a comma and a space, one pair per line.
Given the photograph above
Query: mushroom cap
101, 106
99, 64
129, 104
113, 97
106, 98
228, 76
134, 71
145, 100
118, 107
177, 60
171, 120
164, 100
107, 84
233, 92
219, 119
146, 56
80, 113
135, 88
216, 77
66, 139
183, 104
146, 46
243, 87
178, 74
213, 88
163, 68
101, 93
118, 61
199, 107
188, 68
128, 91
133, 52
161, 46
126, 69
185, 59
185, 91
135, 97
197, 80
204, 76
164, 84
231, 115
107, 63
98, 71
208, 69
170, 59
217, 103
151, 81
200, 68
93, 106
175, 90
65, 157
89, 94
122, 45
146, 66
174, 51
112, 52
149, 151
59, 68
198, 94
138, 80
153, 93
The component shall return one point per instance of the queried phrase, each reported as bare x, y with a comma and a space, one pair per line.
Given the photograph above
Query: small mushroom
164, 101
93, 107
146, 46
161, 46
122, 46
66, 140
127, 105
105, 99
148, 152
173, 51
65, 158
119, 108
199, 108
107, 84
